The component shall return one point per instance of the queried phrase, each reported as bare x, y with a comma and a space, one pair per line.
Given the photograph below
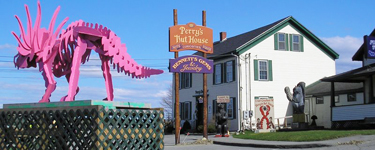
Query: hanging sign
190, 37
264, 114
191, 64
223, 99
370, 46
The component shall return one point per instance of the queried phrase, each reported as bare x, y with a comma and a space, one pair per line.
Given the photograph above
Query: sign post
177, 92
190, 37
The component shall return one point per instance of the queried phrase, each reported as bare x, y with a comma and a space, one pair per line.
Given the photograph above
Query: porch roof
356, 75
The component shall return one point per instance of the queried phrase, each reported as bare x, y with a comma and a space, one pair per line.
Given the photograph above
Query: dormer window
281, 41
297, 43
288, 42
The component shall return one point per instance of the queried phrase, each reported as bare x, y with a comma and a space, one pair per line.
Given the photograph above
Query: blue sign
191, 64
370, 46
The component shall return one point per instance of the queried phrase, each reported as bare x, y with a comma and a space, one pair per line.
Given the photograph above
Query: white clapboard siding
354, 112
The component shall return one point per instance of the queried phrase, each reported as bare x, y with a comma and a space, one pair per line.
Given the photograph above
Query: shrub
210, 129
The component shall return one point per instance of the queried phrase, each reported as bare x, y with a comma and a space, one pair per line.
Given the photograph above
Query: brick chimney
223, 36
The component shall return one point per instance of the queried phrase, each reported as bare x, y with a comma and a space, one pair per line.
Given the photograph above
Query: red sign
190, 37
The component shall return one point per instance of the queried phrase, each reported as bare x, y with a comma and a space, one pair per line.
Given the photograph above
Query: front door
199, 112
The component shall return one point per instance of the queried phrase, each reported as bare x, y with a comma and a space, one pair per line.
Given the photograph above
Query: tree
167, 103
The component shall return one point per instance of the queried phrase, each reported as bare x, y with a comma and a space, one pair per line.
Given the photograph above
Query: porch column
332, 97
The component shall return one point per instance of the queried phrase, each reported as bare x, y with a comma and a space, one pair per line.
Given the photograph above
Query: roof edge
325, 48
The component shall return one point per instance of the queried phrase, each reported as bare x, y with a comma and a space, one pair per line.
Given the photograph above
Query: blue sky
143, 26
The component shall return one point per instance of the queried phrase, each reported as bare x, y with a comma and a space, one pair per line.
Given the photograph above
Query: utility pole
205, 100
177, 92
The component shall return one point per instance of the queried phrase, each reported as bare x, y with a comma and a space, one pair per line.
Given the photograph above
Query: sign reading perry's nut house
191, 64
190, 37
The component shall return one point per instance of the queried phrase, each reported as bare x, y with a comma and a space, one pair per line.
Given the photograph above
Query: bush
210, 129
169, 129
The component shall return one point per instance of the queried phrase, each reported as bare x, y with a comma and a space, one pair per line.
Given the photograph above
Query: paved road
360, 142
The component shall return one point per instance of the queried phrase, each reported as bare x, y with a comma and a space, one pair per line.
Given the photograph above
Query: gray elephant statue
297, 98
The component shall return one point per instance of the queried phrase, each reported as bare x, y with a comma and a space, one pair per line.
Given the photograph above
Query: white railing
353, 112
285, 125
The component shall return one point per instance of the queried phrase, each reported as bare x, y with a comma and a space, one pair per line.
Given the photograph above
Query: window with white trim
352, 97
282, 41
263, 70
296, 43
320, 100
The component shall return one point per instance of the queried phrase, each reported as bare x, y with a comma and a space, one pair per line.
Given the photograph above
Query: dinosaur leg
74, 76
107, 77
50, 82
67, 76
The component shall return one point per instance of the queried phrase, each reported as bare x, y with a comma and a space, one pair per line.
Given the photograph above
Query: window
286, 42
229, 71
263, 70
214, 109
296, 43
185, 110
217, 74
352, 97
230, 108
185, 80
319, 100
281, 41
224, 72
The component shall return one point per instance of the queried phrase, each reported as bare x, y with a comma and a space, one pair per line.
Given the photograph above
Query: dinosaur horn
37, 25
29, 30
20, 43
60, 26
22, 31
52, 24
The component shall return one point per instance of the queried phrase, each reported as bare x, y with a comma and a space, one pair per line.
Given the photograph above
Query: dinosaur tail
121, 60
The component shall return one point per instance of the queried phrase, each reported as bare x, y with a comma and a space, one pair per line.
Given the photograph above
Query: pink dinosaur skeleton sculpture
62, 54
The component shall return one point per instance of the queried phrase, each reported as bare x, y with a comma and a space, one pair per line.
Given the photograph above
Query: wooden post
205, 100
177, 92
332, 97
278, 123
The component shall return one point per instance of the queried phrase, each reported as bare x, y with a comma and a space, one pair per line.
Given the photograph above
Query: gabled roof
241, 43
358, 56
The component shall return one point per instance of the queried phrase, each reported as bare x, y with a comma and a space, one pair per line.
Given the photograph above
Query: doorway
199, 111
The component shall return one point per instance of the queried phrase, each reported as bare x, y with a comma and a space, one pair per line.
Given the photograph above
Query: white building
347, 100
255, 65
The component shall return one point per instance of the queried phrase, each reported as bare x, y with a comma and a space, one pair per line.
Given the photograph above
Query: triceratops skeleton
62, 54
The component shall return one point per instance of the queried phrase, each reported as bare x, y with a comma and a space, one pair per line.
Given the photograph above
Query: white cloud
7, 46
346, 48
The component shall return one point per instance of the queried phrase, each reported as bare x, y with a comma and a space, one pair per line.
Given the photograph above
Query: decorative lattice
91, 127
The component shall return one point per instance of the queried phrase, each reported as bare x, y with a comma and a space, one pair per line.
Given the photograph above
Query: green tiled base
86, 125
106, 104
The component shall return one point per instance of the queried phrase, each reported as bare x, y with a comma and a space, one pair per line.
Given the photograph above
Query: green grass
301, 136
